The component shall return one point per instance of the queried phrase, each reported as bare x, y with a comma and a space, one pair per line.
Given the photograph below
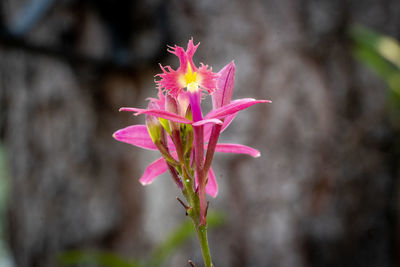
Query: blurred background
325, 191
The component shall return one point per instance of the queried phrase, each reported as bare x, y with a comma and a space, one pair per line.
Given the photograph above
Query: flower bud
172, 106
187, 133
154, 128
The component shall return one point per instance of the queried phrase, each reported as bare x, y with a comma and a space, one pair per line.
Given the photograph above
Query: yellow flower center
190, 76
190, 80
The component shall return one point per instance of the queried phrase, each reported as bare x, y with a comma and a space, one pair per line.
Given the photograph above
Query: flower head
187, 75
176, 127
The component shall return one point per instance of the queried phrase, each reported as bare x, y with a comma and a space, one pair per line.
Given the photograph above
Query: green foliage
379, 52
382, 54
105, 259
161, 253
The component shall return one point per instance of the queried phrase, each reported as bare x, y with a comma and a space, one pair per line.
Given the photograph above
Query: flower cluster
176, 127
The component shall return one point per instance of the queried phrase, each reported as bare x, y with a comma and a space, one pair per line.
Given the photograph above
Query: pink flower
175, 80
176, 127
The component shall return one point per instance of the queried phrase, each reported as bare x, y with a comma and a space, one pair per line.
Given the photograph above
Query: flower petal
228, 121
171, 80
136, 135
158, 113
181, 54
153, 170
238, 149
225, 84
212, 185
207, 121
190, 50
207, 78
208, 127
233, 107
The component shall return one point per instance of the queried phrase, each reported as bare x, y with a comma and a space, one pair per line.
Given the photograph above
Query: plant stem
205, 250
194, 213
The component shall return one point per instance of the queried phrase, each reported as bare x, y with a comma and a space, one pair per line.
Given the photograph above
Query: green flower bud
154, 128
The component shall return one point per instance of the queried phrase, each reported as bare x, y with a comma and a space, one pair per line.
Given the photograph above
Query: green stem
194, 213
205, 250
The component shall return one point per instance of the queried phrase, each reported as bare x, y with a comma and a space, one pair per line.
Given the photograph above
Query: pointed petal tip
213, 192
214, 195
145, 183
116, 135
256, 153
125, 109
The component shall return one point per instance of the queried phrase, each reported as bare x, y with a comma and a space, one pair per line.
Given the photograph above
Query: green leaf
105, 259
381, 53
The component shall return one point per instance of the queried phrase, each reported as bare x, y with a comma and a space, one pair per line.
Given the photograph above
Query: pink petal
136, 135
238, 149
153, 170
158, 113
190, 50
160, 101
207, 121
208, 79
181, 54
225, 84
212, 185
208, 127
171, 80
228, 121
234, 107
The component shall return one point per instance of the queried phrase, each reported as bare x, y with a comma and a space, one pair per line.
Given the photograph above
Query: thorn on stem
191, 263
183, 204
